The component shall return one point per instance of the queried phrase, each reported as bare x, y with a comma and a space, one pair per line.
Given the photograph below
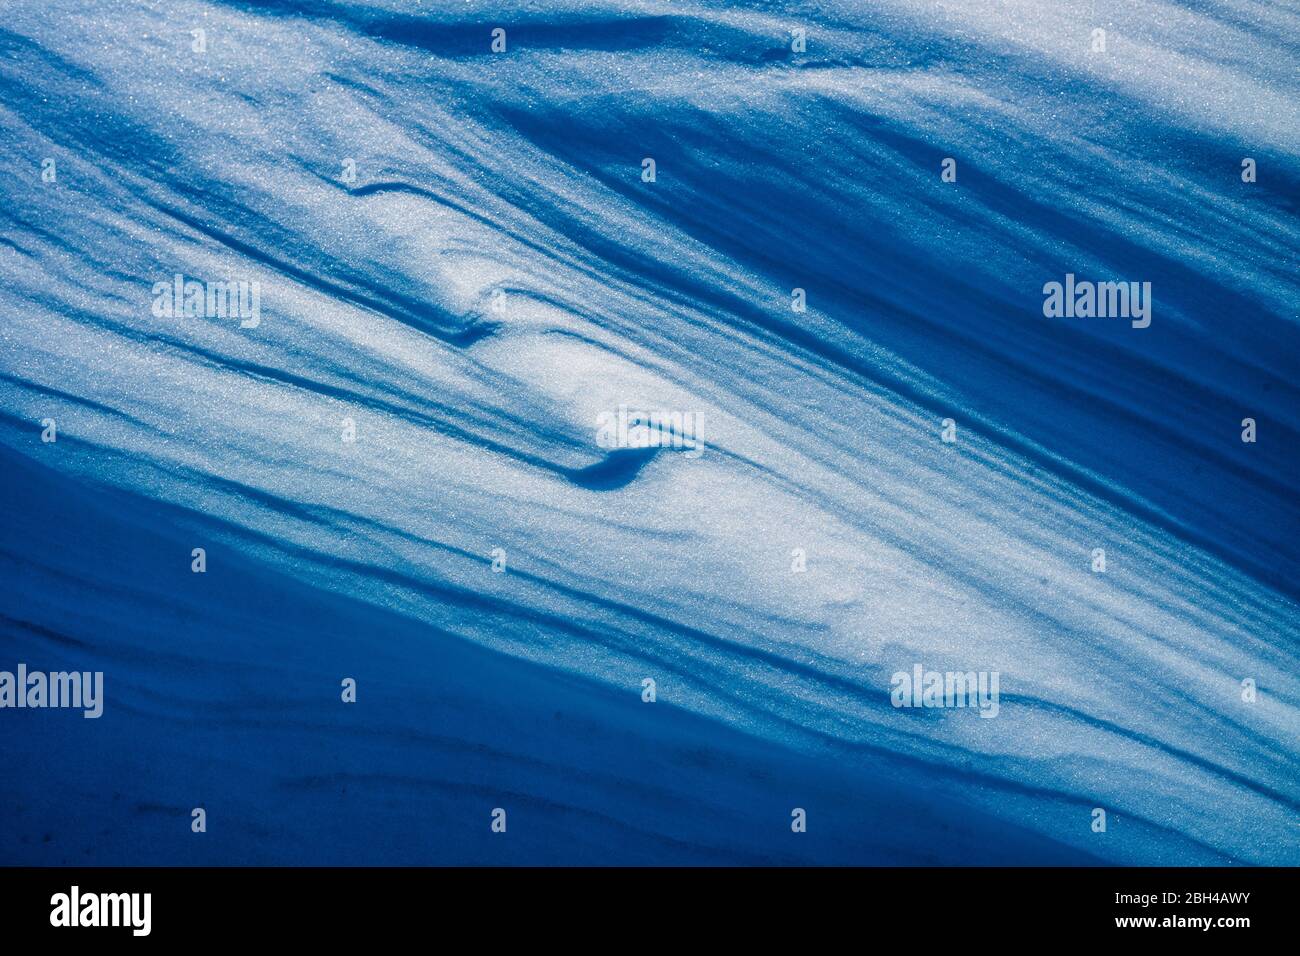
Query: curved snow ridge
469, 287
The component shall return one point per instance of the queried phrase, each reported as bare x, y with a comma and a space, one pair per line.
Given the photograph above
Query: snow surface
520, 173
